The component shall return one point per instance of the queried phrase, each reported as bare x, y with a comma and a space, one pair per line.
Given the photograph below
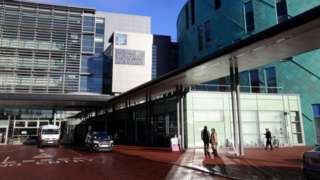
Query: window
249, 17
32, 124
84, 64
187, 16
88, 23
99, 39
193, 16
200, 37
43, 123
282, 11
154, 61
271, 79
255, 82
20, 124
217, 4
87, 43
207, 29
83, 83
121, 39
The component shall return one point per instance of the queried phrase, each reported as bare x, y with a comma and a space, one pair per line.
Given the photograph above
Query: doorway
3, 135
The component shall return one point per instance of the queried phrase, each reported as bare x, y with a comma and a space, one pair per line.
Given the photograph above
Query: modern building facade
201, 33
280, 113
55, 49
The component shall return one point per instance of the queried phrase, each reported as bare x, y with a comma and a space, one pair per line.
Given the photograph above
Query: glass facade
154, 61
39, 48
200, 37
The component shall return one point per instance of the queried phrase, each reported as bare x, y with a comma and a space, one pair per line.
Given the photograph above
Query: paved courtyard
124, 163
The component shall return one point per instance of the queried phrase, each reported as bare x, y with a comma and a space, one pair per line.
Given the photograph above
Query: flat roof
55, 101
48, 3
292, 37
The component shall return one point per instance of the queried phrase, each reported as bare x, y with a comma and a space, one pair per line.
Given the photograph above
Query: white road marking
5, 160
42, 156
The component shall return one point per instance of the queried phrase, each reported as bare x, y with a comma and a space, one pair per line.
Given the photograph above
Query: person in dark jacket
205, 138
268, 137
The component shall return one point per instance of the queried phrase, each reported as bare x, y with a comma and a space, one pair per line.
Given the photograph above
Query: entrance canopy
53, 101
295, 36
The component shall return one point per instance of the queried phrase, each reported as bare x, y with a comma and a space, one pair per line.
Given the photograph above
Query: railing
226, 88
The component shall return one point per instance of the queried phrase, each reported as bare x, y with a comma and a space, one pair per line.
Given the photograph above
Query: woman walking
214, 142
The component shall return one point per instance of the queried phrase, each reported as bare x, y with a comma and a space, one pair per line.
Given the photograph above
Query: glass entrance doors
3, 135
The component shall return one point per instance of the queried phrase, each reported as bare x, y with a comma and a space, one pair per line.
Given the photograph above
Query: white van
48, 135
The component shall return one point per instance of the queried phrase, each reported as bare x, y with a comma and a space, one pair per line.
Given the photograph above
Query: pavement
138, 163
281, 163
26, 162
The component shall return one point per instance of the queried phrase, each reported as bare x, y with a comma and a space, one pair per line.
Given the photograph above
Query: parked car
311, 163
99, 141
48, 135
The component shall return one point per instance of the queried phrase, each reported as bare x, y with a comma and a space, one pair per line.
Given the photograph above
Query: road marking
42, 156
5, 160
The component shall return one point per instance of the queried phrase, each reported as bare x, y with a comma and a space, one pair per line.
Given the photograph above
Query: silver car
311, 163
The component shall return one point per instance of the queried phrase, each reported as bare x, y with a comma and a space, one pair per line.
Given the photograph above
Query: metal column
236, 109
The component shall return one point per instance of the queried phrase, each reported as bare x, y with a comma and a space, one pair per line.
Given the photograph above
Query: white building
131, 60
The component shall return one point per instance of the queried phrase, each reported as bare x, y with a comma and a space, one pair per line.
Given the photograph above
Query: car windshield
100, 136
50, 131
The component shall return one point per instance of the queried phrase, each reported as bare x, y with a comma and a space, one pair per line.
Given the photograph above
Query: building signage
129, 57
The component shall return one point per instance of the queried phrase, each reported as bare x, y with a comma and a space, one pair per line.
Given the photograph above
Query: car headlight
111, 141
96, 142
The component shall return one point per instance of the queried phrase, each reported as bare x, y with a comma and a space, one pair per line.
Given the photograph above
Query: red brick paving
125, 163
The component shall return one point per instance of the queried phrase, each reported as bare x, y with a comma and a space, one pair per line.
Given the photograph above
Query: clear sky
164, 13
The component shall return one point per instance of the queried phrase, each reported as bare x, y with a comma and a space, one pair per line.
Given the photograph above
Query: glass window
207, 29
88, 23
282, 11
249, 17
187, 16
193, 16
84, 64
271, 79
154, 61
87, 43
43, 123
217, 4
121, 39
84, 84
32, 124
244, 82
255, 82
200, 37
20, 124
100, 26
316, 110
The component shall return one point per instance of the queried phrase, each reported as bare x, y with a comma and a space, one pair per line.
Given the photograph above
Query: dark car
99, 141
311, 163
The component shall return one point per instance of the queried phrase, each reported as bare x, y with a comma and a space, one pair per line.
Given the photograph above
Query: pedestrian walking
214, 142
268, 137
205, 138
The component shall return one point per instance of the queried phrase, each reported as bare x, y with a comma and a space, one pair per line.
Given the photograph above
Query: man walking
268, 137
205, 138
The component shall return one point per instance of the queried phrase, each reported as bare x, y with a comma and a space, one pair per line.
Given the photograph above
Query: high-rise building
206, 26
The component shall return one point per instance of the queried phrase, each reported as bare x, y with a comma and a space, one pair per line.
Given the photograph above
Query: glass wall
40, 48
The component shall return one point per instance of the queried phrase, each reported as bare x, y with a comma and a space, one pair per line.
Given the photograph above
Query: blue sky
164, 13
